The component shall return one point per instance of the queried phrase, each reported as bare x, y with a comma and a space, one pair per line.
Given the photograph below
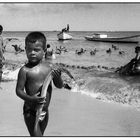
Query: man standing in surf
1, 53
30, 80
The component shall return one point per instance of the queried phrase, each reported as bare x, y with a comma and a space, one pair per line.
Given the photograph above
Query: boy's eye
36, 50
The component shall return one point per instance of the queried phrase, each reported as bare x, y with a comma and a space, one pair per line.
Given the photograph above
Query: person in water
30, 80
1, 53
49, 54
133, 67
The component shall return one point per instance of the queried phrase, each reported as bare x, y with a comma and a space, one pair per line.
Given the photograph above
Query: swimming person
30, 80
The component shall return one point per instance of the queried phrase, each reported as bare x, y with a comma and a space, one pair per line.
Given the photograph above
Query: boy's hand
58, 69
38, 100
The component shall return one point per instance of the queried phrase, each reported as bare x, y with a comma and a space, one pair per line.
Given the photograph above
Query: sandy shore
71, 114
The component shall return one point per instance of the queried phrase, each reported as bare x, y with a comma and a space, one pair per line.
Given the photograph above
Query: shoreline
80, 115
71, 114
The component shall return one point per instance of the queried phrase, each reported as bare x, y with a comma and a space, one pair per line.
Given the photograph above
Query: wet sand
71, 114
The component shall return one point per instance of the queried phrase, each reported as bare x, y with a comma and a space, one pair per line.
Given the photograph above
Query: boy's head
35, 45
34, 37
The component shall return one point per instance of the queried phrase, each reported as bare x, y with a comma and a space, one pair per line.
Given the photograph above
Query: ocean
95, 74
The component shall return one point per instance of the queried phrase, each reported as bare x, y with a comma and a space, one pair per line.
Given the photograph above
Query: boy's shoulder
47, 64
23, 68
44, 65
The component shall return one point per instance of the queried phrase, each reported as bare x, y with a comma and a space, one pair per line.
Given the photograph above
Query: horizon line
73, 31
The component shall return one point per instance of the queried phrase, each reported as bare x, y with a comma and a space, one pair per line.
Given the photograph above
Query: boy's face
34, 51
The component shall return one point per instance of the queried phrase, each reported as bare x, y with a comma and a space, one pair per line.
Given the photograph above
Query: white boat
64, 36
105, 38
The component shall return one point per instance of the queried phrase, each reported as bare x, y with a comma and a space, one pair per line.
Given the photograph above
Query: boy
31, 77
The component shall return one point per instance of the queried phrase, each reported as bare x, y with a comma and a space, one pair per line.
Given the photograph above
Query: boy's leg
43, 124
30, 123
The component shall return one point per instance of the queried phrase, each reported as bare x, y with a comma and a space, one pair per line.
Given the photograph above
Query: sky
80, 16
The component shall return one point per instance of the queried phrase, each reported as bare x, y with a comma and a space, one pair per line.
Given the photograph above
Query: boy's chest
37, 73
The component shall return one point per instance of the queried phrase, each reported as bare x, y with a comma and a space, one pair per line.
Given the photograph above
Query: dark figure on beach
133, 67
68, 28
30, 80
17, 48
48, 46
48, 52
64, 30
60, 50
63, 49
121, 53
93, 52
1, 53
108, 51
57, 50
78, 52
115, 47
81, 51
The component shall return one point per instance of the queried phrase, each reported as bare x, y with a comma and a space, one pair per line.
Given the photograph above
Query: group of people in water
32, 75
114, 48
94, 51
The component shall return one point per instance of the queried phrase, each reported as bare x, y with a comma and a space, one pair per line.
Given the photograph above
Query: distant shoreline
70, 31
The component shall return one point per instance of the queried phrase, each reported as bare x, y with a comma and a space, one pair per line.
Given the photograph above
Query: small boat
64, 36
105, 38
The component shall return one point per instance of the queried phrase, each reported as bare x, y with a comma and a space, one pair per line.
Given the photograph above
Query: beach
71, 114
104, 104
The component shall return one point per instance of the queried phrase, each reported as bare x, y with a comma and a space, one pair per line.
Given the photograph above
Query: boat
105, 38
64, 34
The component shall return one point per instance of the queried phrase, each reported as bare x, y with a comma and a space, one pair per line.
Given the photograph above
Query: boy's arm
20, 89
21, 84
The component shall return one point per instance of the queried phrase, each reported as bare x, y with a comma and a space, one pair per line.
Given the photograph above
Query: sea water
95, 74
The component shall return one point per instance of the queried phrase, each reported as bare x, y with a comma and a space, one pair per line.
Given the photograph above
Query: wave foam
110, 92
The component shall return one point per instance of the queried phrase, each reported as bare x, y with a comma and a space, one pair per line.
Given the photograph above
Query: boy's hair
36, 36
1, 28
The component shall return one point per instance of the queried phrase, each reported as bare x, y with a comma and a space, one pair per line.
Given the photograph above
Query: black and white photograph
70, 69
